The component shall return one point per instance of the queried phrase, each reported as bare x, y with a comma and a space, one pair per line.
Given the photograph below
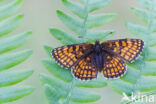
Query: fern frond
61, 87
7, 25
141, 75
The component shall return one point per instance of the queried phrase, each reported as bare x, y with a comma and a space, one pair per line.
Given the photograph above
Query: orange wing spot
115, 50
135, 43
117, 67
129, 41
113, 74
126, 48
124, 43
117, 44
85, 72
108, 71
64, 63
89, 72
71, 63
77, 74
89, 67
80, 53
139, 44
131, 51
112, 70
81, 72
77, 48
105, 72
74, 59
74, 70
88, 59
110, 65
113, 65
128, 53
70, 49
108, 57
127, 57
110, 44
68, 60
93, 73
78, 70
135, 46
84, 75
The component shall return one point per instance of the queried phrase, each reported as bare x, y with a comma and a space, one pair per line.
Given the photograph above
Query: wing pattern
66, 56
127, 49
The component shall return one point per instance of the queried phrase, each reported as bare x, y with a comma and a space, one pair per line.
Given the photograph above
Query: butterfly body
86, 59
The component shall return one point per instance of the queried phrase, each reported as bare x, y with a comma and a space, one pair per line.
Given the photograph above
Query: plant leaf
13, 42
95, 5
64, 37
57, 71
75, 8
97, 20
8, 61
48, 49
141, 13
98, 83
138, 30
13, 77
102, 35
14, 93
10, 9
71, 22
51, 95
63, 89
10, 24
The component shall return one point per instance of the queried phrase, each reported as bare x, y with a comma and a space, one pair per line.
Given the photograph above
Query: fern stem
84, 26
70, 91
149, 31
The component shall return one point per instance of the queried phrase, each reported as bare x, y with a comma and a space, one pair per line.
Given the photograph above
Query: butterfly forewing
67, 56
113, 67
127, 49
85, 69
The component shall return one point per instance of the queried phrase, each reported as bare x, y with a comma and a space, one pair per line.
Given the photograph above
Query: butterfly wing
85, 69
114, 66
66, 56
127, 49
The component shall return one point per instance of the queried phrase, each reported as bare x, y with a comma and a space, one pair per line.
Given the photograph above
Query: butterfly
86, 59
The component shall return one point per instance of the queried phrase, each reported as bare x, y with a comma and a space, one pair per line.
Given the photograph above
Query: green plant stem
84, 26
142, 63
84, 32
72, 84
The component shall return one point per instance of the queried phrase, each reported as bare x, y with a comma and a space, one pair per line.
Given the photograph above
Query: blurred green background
39, 15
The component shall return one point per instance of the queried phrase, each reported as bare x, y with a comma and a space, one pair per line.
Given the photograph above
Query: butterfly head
97, 47
97, 42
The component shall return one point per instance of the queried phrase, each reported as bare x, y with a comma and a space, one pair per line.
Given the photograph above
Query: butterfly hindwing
85, 69
127, 49
67, 56
114, 66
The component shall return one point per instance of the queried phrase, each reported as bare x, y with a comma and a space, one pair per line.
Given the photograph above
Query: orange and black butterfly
86, 59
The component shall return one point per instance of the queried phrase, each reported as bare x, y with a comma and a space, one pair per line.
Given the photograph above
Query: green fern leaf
10, 9
141, 74
12, 59
14, 93
61, 87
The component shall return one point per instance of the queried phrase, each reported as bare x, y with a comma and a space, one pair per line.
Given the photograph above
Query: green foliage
61, 87
141, 75
8, 78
